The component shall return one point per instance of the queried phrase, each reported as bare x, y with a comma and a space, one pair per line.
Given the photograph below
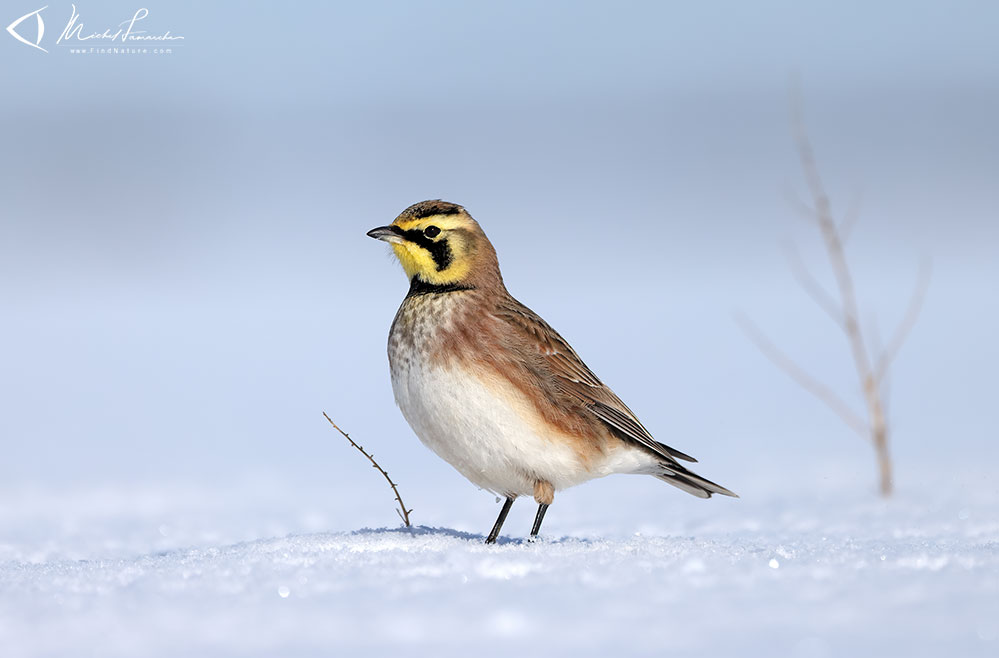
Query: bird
491, 388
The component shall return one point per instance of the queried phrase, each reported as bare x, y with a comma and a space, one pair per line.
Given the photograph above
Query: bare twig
877, 347
814, 289
904, 327
842, 308
401, 510
851, 217
807, 212
802, 208
877, 424
806, 381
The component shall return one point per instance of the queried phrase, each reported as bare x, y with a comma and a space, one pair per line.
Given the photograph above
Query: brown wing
575, 382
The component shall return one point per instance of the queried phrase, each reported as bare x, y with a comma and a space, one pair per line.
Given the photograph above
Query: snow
247, 569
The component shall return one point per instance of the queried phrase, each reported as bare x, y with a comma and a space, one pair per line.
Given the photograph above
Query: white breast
491, 434
461, 420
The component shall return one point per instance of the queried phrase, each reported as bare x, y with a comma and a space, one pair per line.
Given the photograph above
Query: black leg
491, 539
542, 508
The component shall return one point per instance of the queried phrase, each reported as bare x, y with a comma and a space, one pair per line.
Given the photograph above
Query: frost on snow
170, 573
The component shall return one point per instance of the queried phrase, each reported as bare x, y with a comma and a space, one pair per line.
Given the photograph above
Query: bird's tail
692, 483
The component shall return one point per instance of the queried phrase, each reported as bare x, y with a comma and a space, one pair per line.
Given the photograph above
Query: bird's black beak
387, 234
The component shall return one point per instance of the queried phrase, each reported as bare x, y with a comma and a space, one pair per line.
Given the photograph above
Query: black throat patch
418, 286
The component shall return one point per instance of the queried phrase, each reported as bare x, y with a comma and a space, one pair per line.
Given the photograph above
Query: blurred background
185, 281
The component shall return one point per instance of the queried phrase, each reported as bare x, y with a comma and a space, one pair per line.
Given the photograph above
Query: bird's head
438, 243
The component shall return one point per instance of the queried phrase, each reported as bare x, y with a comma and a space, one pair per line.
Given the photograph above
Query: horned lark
491, 388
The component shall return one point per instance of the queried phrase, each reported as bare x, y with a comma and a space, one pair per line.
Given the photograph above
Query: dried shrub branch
798, 374
842, 308
812, 287
911, 315
850, 218
401, 509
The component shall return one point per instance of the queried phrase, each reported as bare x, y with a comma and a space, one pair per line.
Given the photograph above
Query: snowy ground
169, 570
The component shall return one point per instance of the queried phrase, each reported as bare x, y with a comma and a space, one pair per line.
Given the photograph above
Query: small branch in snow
401, 510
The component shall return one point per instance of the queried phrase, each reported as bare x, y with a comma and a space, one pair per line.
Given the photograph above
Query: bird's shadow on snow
431, 531
422, 531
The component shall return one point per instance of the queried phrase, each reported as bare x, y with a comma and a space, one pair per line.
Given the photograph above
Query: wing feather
577, 382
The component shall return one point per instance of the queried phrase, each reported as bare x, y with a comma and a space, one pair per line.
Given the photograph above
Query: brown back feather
542, 365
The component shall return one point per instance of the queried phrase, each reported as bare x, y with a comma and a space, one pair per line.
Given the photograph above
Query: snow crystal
203, 578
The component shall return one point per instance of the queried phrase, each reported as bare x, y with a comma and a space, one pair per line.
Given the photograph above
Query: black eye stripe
440, 250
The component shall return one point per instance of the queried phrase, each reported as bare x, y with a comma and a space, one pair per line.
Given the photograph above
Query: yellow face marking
417, 260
